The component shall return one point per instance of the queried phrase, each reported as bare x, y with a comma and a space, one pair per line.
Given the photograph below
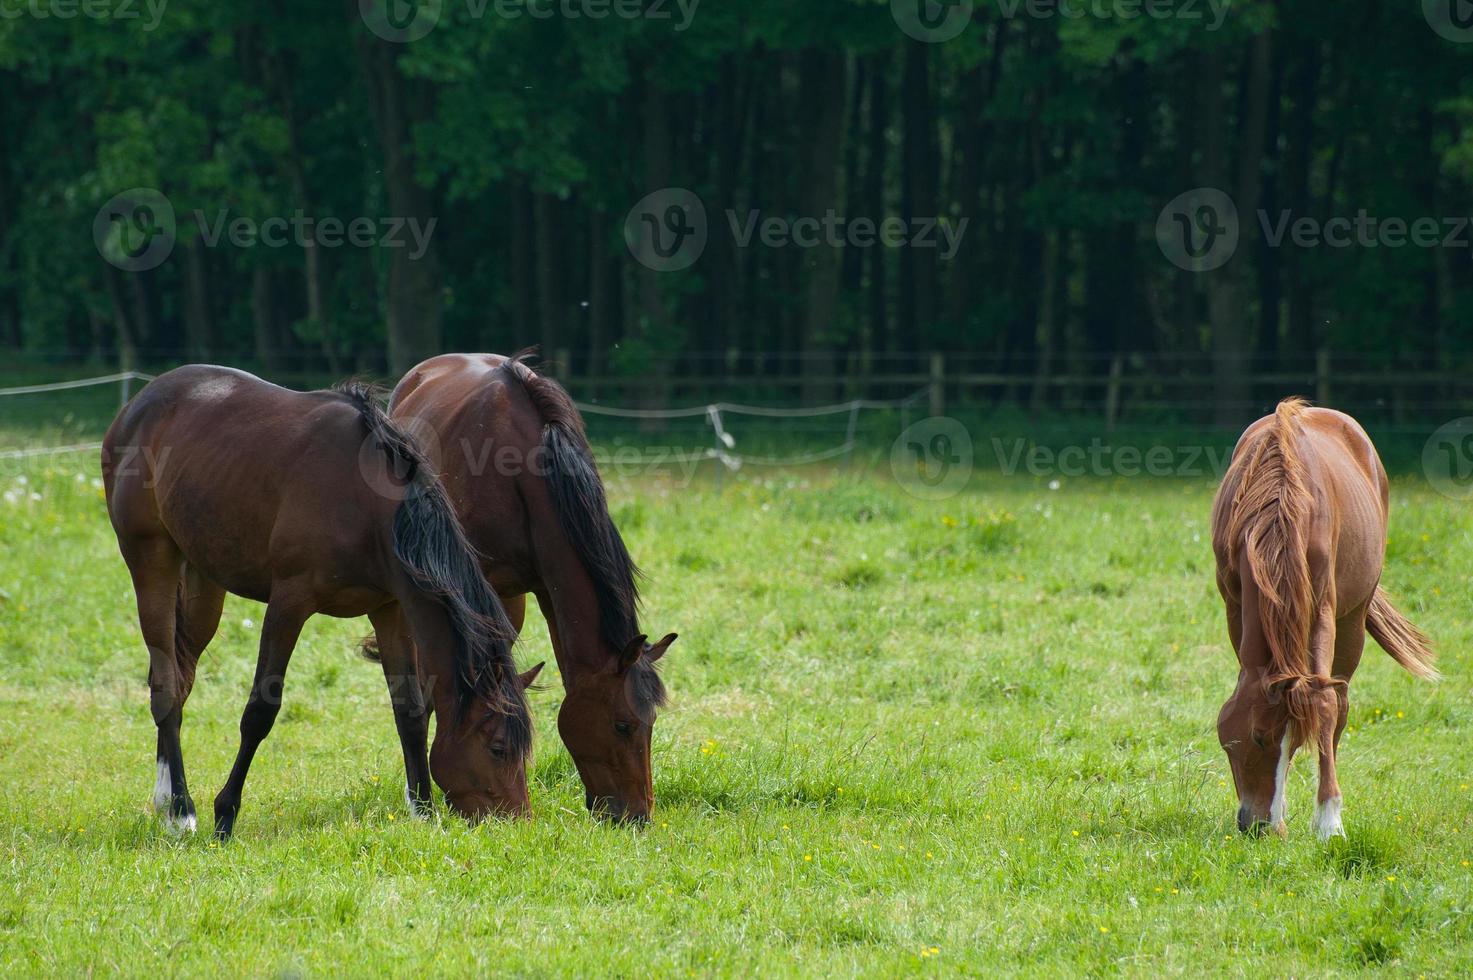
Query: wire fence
724, 449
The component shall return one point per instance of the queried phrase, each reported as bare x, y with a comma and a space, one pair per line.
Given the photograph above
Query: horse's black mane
583, 510
431, 545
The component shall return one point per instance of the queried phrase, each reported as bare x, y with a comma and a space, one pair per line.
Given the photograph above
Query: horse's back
237, 471
1347, 487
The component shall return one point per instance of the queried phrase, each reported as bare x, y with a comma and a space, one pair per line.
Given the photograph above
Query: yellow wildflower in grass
808, 857
1104, 929
1391, 877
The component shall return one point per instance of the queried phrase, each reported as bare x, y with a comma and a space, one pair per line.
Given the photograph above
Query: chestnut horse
1299, 534
311, 502
518, 467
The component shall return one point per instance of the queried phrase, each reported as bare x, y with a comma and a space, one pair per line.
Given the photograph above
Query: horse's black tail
431, 546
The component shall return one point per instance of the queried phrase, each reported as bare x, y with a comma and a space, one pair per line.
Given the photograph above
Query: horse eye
498, 750
623, 728
1258, 741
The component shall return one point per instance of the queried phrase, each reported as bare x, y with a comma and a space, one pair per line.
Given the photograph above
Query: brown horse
517, 464
1299, 533
312, 502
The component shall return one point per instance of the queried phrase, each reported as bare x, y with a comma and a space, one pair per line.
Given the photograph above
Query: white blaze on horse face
1327, 819
1281, 781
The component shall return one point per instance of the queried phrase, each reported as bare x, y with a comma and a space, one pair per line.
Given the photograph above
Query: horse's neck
569, 603
435, 643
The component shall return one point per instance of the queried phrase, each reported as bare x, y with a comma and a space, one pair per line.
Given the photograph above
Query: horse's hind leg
279, 631
1350, 642
198, 603
154, 562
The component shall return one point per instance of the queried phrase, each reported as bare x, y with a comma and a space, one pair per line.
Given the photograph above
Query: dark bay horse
311, 502
512, 452
1299, 534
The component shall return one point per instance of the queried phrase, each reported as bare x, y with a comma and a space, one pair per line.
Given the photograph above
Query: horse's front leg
279, 631
1350, 641
410, 701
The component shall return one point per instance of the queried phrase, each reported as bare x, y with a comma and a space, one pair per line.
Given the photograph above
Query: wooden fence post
938, 383
1322, 377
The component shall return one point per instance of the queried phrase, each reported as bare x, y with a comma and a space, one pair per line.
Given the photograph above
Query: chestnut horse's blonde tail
1268, 520
1407, 645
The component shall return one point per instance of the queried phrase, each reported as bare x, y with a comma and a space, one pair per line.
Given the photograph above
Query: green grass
971, 736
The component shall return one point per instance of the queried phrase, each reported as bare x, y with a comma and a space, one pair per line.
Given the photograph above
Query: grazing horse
1299, 534
311, 502
517, 464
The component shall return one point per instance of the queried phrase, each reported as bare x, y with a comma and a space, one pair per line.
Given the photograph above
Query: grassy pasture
971, 735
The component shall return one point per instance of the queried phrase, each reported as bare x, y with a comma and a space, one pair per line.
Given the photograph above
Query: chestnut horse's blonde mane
1268, 520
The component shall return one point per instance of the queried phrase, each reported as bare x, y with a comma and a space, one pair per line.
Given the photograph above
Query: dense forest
493, 153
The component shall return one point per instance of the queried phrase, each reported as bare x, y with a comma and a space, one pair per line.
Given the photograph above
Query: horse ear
658, 650
527, 678
632, 651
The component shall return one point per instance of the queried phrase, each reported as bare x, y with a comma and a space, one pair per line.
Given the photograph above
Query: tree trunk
416, 285
548, 262
199, 326
1299, 160
825, 86
918, 196
263, 318
1227, 287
